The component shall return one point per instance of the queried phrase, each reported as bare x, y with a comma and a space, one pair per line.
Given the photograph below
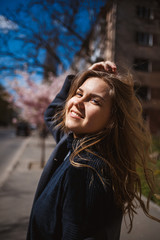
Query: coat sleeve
84, 205
56, 104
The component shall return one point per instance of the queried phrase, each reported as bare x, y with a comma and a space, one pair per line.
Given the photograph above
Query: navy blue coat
72, 203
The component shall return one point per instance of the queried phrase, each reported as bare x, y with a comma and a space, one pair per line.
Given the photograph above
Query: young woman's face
88, 111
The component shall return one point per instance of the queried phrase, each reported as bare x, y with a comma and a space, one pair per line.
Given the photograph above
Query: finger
110, 66
110, 63
95, 66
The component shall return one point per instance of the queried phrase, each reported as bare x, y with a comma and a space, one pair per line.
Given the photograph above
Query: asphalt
17, 189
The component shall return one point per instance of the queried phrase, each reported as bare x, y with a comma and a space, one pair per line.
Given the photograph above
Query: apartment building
128, 33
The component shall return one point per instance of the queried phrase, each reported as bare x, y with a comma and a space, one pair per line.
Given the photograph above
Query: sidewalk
17, 192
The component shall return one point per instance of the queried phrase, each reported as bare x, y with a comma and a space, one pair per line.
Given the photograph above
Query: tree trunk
43, 150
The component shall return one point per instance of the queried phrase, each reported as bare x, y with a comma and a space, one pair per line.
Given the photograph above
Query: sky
7, 26
8, 4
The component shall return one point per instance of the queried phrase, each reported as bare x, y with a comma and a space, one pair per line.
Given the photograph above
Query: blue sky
8, 4
11, 4
14, 44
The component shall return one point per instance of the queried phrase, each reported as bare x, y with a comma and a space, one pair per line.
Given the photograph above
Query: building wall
133, 41
128, 33
132, 31
111, 17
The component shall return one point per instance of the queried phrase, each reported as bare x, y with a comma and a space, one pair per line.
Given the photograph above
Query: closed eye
93, 98
95, 101
79, 94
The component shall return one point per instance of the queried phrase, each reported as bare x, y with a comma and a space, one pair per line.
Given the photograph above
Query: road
17, 193
9, 145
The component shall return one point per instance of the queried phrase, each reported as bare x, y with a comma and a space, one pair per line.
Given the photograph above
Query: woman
90, 180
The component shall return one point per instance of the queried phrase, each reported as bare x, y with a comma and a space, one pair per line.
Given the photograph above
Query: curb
14, 162
152, 204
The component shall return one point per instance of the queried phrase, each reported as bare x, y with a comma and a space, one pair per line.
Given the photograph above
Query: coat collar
72, 143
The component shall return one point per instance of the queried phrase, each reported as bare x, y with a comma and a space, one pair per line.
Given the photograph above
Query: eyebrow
92, 94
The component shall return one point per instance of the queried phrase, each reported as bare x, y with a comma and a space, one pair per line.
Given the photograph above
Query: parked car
23, 129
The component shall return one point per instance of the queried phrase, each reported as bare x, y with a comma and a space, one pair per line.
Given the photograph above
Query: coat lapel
53, 163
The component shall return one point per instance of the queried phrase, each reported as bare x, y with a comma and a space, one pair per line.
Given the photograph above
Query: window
155, 93
146, 65
143, 65
156, 39
156, 66
144, 38
145, 12
143, 93
157, 13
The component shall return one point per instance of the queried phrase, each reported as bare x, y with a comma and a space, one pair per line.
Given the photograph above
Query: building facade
128, 33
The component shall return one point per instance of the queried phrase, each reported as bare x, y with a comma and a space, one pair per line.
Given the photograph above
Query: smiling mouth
76, 114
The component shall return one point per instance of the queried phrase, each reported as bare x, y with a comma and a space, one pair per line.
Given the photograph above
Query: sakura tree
32, 99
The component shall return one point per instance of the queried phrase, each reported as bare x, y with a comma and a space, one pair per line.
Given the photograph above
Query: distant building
128, 33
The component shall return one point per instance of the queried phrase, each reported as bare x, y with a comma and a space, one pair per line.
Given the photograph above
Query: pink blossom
32, 98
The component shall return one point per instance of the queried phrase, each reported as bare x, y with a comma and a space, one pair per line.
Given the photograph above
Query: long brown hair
124, 144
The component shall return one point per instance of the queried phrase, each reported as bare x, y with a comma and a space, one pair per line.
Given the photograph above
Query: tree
45, 34
32, 99
6, 112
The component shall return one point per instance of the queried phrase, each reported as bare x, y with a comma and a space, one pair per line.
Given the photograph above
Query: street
17, 192
9, 145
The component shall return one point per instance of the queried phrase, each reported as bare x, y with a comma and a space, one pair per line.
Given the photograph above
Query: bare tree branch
48, 35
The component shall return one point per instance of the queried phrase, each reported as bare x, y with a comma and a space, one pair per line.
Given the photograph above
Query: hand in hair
107, 66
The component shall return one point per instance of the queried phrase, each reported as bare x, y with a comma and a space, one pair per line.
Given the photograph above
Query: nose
79, 103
